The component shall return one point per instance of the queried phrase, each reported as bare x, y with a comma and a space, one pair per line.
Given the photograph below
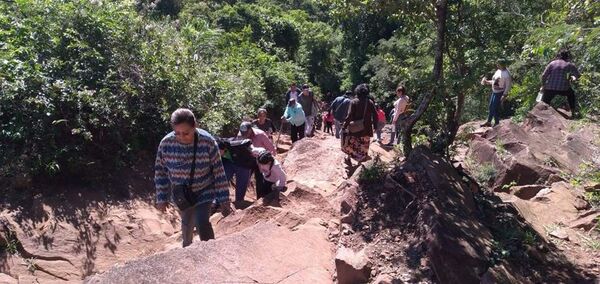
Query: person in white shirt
399, 113
501, 83
272, 172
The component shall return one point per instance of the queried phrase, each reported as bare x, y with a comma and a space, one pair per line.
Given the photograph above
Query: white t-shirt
400, 106
274, 174
501, 81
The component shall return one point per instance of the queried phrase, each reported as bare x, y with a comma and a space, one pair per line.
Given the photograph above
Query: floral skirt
356, 146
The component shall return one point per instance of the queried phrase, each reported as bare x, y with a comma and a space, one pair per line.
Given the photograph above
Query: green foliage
374, 173
483, 173
593, 198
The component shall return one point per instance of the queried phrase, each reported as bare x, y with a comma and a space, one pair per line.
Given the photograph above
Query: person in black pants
295, 116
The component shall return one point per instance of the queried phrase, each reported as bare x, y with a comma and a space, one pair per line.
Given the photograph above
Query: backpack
240, 152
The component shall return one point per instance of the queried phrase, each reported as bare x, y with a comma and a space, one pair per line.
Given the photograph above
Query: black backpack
240, 151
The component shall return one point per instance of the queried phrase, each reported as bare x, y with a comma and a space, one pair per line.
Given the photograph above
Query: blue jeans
495, 101
242, 178
197, 216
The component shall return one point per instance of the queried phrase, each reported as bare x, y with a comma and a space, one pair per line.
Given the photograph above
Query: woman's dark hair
362, 90
183, 115
265, 158
401, 88
564, 54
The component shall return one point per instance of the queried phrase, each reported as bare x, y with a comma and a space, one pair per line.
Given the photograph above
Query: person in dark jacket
362, 111
339, 107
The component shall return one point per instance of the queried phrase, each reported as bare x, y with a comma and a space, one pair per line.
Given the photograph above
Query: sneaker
487, 124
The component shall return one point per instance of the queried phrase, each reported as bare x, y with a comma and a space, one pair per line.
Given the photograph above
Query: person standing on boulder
399, 114
294, 115
501, 83
339, 106
555, 80
307, 101
174, 167
358, 126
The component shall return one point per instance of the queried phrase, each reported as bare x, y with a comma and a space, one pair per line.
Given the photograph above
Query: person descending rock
295, 116
202, 181
399, 114
501, 83
380, 122
328, 120
259, 139
263, 123
358, 126
307, 100
272, 172
555, 80
292, 93
339, 106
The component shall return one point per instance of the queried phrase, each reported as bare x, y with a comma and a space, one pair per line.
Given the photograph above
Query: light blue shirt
295, 115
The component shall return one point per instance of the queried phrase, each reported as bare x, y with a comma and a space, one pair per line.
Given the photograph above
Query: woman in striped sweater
173, 165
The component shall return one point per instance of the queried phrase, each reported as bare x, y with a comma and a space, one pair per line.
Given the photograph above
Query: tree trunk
441, 8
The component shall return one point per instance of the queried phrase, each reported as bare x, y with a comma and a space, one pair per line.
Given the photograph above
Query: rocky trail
510, 208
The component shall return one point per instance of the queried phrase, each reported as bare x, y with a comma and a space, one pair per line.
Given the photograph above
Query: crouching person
272, 172
189, 172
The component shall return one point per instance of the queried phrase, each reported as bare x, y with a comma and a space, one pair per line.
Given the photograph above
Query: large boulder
263, 253
535, 152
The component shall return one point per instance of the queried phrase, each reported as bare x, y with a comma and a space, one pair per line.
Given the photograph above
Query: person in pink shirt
258, 137
328, 122
380, 122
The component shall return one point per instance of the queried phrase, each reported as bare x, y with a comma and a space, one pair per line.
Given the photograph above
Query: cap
245, 126
305, 86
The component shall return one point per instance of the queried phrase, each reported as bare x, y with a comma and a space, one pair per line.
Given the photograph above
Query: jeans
338, 128
197, 216
310, 122
495, 101
570, 94
297, 132
242, 178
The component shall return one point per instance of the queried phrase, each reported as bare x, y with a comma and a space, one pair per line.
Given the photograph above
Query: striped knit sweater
173, 165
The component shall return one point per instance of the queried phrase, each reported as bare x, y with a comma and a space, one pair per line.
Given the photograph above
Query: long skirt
356, 146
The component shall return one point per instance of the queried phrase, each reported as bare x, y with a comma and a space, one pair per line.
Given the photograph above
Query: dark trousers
262, 187
495, 101
570, 94
297, 132
328, 127
197, 216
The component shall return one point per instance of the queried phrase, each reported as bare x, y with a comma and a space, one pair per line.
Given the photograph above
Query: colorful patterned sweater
173, 165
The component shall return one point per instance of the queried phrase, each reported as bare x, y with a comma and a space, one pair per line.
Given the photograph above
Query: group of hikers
195, 170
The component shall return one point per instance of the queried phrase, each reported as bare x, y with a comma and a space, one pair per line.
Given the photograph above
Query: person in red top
380, 122
328, 122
